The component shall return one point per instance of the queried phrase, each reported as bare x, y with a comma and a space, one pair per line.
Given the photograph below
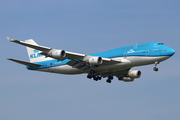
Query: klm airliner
117, 62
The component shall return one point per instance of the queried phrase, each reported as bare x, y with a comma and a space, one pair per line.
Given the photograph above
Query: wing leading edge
37, 47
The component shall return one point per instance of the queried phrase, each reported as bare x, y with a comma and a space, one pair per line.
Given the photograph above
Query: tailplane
25, 63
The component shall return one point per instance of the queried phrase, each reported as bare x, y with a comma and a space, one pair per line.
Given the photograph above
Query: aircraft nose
172, 51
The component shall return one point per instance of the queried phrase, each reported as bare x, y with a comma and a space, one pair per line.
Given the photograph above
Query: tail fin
34, 55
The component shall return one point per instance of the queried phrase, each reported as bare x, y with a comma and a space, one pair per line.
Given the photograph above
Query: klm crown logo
36, 54
35, 51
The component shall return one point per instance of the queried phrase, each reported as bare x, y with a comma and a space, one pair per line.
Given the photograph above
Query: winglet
10, 39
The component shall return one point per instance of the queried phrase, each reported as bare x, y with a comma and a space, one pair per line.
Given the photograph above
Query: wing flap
72, 55
25, 63
79, 65
71, 63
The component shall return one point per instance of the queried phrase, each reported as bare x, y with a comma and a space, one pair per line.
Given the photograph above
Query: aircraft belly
145, 60
134, 61
66, 69
114, 67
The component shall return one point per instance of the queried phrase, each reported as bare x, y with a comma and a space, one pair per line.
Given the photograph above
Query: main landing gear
109, 79
92, 75
156, 68
96, 78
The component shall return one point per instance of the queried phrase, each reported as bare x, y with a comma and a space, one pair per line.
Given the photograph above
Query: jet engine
134, 73
131, 75
58, 54
95, 61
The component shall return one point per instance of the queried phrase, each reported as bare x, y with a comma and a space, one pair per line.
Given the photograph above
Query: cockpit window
160, 43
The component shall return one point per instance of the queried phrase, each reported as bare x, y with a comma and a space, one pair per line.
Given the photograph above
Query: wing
77, 60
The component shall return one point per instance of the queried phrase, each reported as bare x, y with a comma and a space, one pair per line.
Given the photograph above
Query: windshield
160, 43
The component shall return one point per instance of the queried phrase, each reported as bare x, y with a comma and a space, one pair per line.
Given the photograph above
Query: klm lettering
35, 55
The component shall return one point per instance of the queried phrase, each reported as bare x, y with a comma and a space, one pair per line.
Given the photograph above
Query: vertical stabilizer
34, 55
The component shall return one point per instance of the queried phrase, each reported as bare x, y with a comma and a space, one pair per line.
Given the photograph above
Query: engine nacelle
95, 61
58, 54
134, 73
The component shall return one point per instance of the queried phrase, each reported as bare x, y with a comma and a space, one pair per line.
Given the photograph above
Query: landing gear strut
156, 68
91, 74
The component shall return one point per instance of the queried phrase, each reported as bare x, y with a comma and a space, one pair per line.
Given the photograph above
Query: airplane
117, 62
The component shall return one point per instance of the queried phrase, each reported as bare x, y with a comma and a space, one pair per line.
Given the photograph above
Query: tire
155, 69
108, 81
89, 76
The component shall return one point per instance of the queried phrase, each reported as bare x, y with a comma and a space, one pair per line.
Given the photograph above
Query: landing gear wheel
108, 81
99, 78
89, 76
155, 69
95, 78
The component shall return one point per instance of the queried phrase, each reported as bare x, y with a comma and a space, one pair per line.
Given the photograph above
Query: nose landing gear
156, 68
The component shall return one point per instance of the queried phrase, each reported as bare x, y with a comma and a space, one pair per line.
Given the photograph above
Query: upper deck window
142, 45
160, 43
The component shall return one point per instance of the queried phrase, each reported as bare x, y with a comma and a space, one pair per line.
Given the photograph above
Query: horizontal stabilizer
25, 63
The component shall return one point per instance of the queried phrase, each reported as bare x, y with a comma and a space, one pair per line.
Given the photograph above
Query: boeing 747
117, 62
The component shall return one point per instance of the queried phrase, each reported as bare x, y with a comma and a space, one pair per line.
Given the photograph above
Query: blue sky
88, 26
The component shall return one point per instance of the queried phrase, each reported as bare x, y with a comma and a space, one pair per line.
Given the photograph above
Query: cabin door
147, 52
